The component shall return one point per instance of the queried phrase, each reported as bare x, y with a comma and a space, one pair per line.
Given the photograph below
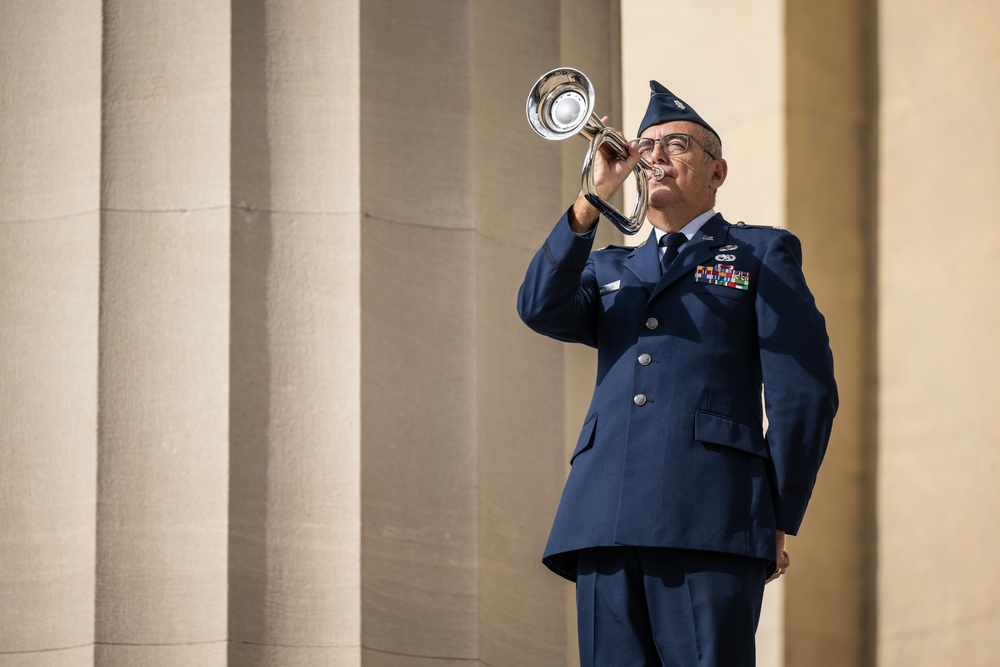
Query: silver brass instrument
561, 104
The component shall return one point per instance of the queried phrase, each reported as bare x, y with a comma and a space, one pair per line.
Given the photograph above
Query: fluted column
164, 335
295, 551
521, 605
50, 55
531, 391
418, 348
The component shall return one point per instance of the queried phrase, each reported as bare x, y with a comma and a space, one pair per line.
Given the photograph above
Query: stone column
938, 244
50, 68
164, 335
418, 353
295, 561
830, 144
526, 408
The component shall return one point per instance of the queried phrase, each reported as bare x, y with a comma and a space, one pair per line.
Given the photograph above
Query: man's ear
719, 171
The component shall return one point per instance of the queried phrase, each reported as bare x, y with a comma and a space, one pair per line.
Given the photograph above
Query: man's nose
658, 154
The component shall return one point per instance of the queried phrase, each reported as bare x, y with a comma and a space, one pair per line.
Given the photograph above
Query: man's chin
659, 197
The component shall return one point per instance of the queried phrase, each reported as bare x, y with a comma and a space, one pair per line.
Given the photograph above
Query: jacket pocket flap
586, 440
716, 429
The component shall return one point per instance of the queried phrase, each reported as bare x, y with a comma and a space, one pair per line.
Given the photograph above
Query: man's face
690, 179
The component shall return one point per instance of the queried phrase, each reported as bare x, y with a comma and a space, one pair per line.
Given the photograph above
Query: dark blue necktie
671, 243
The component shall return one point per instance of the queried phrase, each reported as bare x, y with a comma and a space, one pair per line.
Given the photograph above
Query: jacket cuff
791, 508
565, 249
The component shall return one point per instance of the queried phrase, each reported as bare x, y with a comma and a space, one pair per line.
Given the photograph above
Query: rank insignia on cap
725, 275
664, 107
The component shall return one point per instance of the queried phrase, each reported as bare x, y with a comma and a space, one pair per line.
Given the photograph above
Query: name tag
611, 287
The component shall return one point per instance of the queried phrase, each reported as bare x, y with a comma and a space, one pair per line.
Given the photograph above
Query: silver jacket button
644, 359
652, 323
640, 399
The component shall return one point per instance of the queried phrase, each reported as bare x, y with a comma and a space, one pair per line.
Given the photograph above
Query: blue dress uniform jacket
673, 452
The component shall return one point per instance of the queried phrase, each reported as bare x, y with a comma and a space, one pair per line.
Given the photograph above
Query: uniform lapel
644, 262
699, 250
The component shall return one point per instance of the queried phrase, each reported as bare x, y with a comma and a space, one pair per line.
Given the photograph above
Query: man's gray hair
714, 145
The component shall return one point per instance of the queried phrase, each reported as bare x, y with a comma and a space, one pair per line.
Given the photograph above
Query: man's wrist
583, 216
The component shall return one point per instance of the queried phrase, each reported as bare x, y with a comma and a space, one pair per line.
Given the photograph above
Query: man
675, 510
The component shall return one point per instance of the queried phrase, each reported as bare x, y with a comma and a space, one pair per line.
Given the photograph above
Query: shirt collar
691, 228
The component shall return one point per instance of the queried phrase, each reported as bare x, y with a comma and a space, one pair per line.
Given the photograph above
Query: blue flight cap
664, 106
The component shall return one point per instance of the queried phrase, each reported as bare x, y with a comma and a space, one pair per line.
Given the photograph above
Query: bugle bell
560, 105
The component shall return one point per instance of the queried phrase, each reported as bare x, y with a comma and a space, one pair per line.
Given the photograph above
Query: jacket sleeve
559, 293
800, 393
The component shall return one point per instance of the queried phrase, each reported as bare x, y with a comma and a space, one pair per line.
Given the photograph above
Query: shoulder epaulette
744, 225
620, 247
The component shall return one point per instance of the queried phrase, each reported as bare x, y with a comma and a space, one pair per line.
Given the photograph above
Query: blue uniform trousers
647, 606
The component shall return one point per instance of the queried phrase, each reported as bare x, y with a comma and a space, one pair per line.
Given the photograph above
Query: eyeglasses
671, 144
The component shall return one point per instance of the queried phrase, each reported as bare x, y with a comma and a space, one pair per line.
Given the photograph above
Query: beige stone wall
892, 508
264, 396
938, 587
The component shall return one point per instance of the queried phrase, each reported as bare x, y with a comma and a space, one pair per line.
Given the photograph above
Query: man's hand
609, 173
783, 560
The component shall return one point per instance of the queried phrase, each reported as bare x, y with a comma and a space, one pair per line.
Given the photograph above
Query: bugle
561, 104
